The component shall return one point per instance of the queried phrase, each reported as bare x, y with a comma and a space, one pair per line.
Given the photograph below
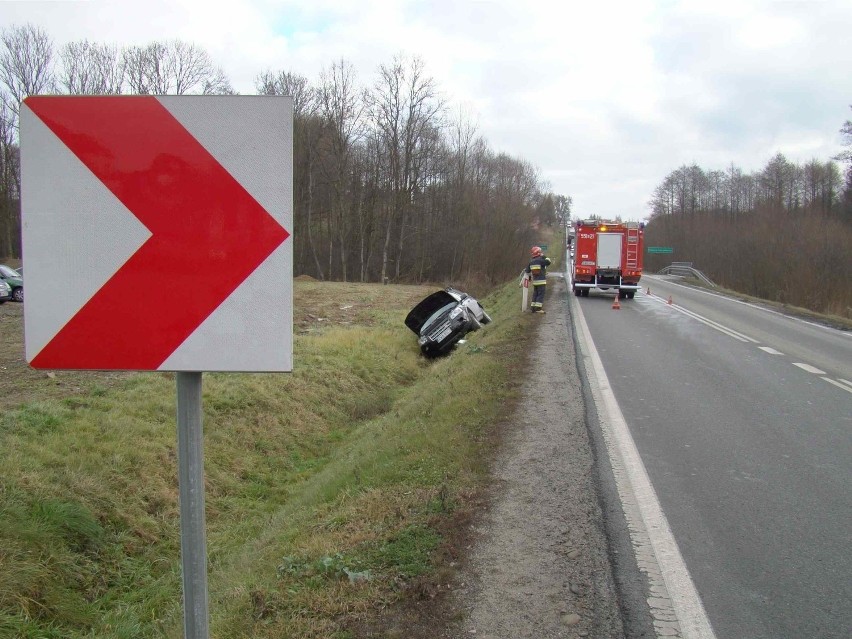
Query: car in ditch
442, 319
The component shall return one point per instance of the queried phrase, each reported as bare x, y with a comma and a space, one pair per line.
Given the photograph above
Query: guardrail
685, 269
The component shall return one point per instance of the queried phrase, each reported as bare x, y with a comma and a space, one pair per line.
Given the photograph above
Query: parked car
15, 281
443, 318
5, 292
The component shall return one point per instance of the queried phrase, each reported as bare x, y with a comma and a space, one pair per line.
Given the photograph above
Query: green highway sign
543, 247
660, 249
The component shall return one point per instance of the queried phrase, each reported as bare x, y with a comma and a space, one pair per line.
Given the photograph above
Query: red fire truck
607, 255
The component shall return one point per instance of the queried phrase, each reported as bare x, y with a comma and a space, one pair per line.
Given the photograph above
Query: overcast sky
605, 98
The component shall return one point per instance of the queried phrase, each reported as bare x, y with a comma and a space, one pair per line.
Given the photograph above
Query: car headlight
456, 312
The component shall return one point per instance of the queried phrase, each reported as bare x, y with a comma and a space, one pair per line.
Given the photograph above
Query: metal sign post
193, 539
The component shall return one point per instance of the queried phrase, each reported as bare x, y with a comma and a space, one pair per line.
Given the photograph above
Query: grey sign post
193, 538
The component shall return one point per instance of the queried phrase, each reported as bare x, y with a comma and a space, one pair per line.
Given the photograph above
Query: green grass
329, 491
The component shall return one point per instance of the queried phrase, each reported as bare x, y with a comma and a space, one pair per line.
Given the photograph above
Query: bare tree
25, 69
459, 202
846, 132
342, 107
306, 136
191, 67
776, 181
135, 63
292, 84
846, 156
821, 186
404, 106
25, 65
172, 68
90, 68
218, 84
10, 185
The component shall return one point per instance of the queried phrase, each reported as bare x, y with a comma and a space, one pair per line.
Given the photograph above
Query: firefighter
537, 268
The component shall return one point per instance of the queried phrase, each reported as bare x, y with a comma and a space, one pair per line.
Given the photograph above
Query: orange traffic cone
670, 300
615, 304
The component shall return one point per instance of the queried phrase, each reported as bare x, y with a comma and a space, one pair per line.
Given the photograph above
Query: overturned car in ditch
444, 318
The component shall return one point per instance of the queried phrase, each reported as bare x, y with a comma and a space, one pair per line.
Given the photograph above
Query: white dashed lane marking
809, 368
844, 384
840, 384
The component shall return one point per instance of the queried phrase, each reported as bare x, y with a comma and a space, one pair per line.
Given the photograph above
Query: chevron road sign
156, 232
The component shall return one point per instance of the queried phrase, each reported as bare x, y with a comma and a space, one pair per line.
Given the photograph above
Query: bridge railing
685, 269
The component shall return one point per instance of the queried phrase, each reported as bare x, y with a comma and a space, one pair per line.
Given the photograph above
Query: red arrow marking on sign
208, 233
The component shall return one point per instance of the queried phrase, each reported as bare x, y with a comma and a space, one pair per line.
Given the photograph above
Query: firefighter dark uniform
537, 269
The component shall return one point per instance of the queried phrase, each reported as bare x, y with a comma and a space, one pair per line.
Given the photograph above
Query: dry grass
332, 493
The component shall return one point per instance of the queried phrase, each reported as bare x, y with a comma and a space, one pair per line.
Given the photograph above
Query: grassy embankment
330, 491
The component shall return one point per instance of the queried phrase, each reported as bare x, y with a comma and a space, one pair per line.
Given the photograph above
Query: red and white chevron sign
156, 232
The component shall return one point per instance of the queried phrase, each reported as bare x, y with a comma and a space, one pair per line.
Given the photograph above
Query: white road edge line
848, 389
719, 327
672, 593
770, 350
809, 368
845, 381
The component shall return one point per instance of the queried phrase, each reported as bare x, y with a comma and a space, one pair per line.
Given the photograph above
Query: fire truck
607, 255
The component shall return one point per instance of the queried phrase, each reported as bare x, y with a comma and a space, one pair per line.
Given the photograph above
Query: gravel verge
538, 565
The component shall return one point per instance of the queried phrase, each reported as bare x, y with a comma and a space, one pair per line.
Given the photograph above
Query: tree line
390, 182
782, 185
782, 233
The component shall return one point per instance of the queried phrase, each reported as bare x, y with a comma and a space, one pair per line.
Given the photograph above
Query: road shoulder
538, 564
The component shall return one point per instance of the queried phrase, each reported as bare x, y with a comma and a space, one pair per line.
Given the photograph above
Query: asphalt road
743, 420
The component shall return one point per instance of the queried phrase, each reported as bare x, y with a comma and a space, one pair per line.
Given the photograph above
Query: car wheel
18, 295
578, 292
486, 318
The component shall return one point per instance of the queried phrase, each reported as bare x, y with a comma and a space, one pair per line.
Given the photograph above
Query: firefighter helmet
535, 251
